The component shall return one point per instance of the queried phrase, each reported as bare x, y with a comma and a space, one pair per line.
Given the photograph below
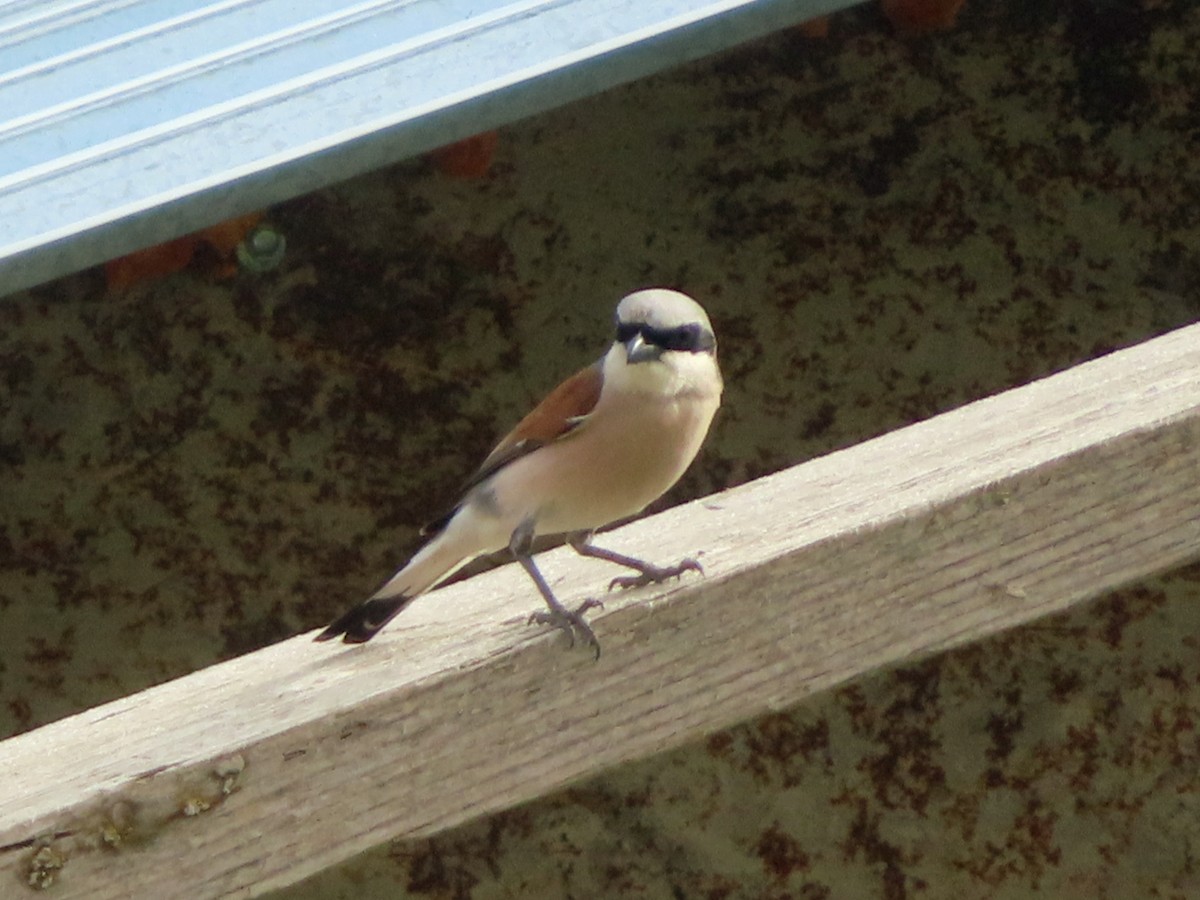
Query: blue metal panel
128, 122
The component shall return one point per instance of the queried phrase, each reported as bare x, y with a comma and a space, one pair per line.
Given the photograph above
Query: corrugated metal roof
128, 122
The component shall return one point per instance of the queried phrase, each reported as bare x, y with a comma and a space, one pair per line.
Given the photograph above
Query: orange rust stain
471, 158
921, 16
815, 28
150, 264
225, 236
165, 259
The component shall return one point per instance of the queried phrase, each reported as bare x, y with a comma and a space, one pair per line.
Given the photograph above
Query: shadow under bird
600, 447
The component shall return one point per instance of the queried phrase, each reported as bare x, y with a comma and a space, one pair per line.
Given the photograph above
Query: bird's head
664, 342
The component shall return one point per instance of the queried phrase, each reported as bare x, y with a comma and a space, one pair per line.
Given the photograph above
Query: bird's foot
655, 575
571, 622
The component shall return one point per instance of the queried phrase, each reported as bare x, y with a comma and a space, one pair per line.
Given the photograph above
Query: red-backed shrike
602, 446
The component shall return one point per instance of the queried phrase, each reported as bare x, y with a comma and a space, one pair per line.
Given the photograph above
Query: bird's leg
570, 621
648, 573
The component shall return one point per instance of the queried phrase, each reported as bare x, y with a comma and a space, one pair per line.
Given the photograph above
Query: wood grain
252, 774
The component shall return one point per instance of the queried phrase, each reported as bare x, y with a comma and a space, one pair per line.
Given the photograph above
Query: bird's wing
562, 411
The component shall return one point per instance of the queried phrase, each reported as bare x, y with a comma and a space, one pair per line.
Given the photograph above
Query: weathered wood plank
252, 774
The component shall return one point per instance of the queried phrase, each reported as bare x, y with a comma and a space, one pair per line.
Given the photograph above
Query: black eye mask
691, 338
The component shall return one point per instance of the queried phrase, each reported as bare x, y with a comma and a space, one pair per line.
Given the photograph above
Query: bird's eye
686, 337
689, 338
626, 332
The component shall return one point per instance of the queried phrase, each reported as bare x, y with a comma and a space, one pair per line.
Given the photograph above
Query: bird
599, 448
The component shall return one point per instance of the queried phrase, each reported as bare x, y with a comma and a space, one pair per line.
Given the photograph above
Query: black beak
638, 351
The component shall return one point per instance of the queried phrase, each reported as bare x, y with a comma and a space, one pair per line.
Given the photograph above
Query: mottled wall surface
881, 228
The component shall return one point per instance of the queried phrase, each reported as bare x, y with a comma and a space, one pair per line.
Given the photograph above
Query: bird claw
571, 622
655, 575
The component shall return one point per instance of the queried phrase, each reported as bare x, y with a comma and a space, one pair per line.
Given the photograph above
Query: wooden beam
252, 774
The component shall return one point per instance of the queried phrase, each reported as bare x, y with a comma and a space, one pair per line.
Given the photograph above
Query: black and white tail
363, 622
437, 560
